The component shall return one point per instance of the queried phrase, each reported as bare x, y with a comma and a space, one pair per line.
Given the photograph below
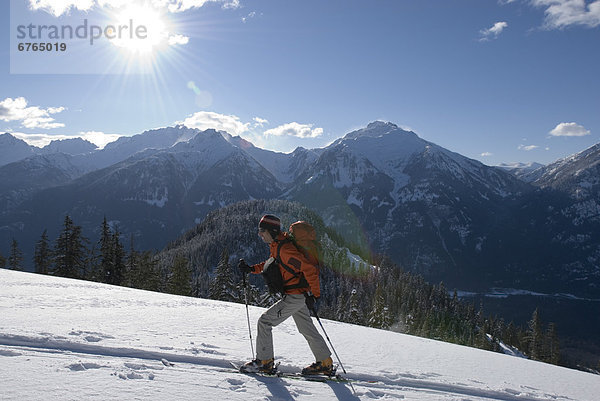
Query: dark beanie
271, 223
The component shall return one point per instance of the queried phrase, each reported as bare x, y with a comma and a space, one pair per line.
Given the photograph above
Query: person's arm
257, 268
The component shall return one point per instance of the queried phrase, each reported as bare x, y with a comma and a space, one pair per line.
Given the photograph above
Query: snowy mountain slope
575, 184
13, 149
67, 339
21, 179
432, 210
153, 195
285, 167
73, 146
524, 171
429, 208
127, 146
577, 175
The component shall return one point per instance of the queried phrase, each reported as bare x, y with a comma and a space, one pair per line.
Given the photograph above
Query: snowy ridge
380, 186
105, 342
72, 146
13, 149
385, 145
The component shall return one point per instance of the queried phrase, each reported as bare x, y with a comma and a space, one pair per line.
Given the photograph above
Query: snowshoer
300, 291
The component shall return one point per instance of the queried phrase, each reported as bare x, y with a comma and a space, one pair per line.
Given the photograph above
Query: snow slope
63, 339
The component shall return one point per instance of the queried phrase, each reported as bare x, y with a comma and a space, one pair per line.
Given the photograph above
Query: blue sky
494, 80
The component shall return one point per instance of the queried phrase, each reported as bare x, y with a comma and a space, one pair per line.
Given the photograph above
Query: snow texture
63, 339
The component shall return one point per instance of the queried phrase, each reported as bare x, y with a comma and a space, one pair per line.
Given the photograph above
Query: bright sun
138, 29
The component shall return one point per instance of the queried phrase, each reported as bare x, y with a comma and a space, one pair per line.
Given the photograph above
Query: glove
243, 266
310, 300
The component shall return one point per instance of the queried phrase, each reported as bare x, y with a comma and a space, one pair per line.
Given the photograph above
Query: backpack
304, 238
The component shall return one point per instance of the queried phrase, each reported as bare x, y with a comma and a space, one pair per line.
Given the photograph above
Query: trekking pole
327, 337
248, 314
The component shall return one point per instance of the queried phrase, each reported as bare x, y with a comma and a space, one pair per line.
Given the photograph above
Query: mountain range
383, 188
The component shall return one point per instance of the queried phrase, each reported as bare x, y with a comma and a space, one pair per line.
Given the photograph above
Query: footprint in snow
236, 385
81, 366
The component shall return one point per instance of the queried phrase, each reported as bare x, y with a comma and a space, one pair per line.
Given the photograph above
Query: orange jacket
293, 258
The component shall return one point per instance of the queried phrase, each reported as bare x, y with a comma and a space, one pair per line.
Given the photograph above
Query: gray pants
291, 305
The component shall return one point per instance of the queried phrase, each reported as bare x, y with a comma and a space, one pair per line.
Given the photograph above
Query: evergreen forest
356, 287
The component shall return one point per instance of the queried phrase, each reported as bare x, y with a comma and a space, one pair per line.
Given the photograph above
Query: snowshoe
259, 366
324, 367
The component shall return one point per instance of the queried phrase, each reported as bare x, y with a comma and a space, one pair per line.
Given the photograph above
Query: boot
258, 366
324, 367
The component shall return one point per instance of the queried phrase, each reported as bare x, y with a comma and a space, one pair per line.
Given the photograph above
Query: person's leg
276, 314
307, 328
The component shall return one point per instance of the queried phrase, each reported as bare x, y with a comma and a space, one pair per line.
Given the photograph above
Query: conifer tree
15, 258
144, 273
181, 276
201, 279
106, 252
222, 287
341, 307
2, 261
131, 267
379, 316
70, 251
535, 337
355, 314
112, 255
552, 349
42, 258
94, 270
118, 260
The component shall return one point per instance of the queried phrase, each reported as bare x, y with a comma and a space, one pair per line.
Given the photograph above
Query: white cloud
486, 154
207, 119
177, 6
527, 148
99, 139
259, 122
30, 117
250, 15
60, 7
494, 31
295, 129
569, 129
178, 40
562, 13
231, 4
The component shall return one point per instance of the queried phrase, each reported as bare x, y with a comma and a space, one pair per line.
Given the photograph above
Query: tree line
389, 298
72, 255
381, 295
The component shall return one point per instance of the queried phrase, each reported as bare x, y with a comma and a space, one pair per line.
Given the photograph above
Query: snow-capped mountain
73, 146
574, 185
525, 171
285, 167
82, 340
21, 179
154, 194
13, 149
384, 188
577, 175
427, 207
